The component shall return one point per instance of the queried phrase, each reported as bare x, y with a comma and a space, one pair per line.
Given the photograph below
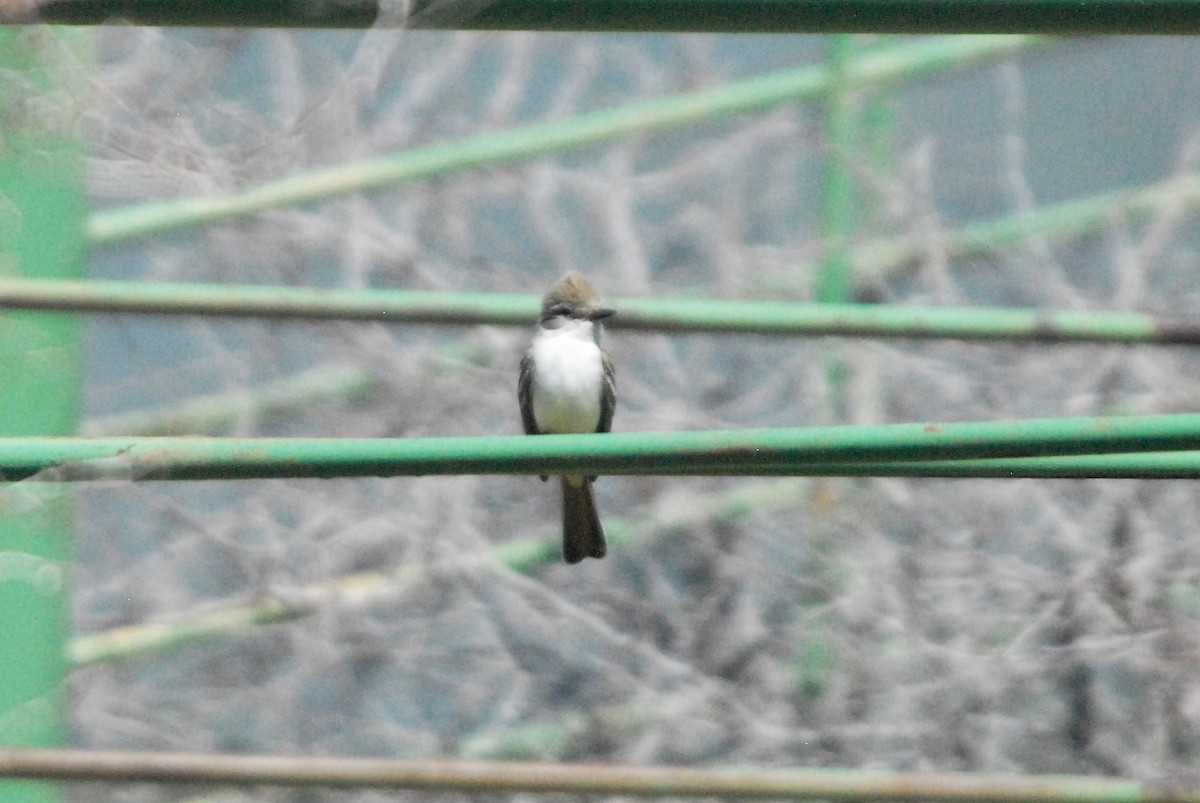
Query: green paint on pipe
41, 235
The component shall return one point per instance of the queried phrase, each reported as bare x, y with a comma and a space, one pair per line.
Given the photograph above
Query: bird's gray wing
525, 395
608, 396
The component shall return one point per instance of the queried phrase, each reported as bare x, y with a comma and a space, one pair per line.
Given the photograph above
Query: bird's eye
561, 309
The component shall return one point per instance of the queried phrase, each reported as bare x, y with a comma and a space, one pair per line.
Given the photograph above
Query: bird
567, 386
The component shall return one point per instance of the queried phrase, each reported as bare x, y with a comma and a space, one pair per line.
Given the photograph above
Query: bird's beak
597, 314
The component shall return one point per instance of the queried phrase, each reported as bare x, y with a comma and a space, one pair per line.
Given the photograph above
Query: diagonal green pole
526, 142
207, 414
42, 212
1060, 221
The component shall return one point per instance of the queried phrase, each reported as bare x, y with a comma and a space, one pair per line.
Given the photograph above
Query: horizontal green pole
526, 142
729, 16
638, 781
495, 777
1181, 465
671, 314
878, 320
735, 452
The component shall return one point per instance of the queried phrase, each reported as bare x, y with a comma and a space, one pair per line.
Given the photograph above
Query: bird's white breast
568, 379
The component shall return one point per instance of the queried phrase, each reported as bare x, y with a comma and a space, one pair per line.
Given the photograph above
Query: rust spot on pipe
1047, 329
1177, 330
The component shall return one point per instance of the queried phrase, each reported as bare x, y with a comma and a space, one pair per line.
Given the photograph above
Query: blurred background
1001, 625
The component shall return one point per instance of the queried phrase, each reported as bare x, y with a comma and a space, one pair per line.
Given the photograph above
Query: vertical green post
835, 283
42, 210
878, 139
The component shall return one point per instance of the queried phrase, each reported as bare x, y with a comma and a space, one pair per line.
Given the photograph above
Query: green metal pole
42, 213
657, 782
838, 218
729, 16
748, 452
1059, 221
878, 142
633, 314
208, 414
838, 209
527, 142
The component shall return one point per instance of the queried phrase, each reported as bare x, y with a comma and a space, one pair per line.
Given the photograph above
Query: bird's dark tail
583, 537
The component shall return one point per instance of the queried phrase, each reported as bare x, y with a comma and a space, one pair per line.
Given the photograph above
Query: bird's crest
571, 289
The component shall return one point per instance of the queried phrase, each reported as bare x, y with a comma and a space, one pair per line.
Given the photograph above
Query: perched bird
566, 386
